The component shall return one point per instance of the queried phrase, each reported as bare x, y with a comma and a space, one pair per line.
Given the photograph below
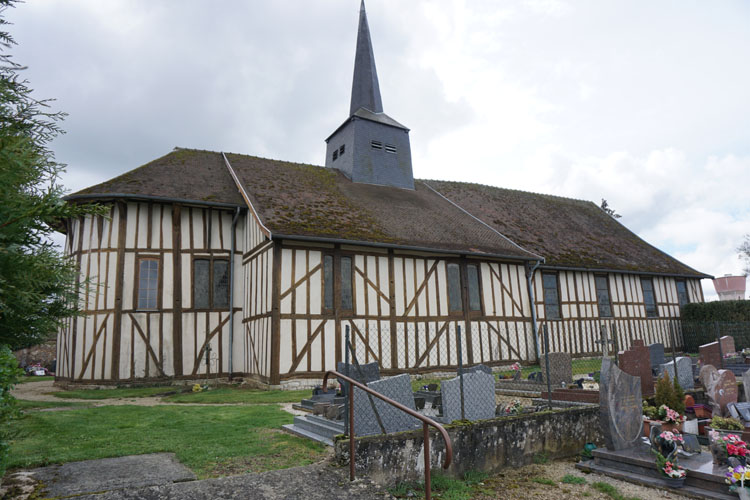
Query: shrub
664, 392
678, 401
728, 424
722, 310
10, 374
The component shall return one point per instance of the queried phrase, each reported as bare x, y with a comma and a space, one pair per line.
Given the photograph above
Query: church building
215, 264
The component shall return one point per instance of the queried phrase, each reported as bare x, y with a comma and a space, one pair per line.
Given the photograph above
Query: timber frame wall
400, 315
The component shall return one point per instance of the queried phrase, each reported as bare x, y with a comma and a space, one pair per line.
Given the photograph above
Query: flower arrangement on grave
736, 477
669, 416
514, 408
732, 443
727, 424
673, 474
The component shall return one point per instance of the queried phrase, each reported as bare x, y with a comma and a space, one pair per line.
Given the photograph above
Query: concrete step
298, 431
318, 425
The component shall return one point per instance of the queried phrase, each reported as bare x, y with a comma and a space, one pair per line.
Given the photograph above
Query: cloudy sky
642, 103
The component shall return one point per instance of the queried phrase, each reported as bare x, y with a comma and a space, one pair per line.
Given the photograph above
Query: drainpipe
529, 277
231, 291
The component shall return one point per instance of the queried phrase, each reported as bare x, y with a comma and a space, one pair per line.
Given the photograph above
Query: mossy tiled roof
567, 232
296, 199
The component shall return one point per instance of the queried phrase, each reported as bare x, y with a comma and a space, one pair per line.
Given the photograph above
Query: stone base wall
487, 445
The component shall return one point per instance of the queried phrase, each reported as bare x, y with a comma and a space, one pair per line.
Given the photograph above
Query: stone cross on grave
605, 342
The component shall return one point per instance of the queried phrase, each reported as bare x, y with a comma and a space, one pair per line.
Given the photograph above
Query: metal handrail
426, 422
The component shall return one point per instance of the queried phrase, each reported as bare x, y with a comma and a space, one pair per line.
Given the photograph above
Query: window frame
547, 316
609, 296
480, 311
653, 293
454, 312
687, 292
340, 281
211, 259
137, 285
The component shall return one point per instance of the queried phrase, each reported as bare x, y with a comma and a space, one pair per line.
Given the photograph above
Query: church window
335, 154
682, 294
454, 288
472, 278
210, 284
376, 145
346, 284
602, 297
328, 282
390, 149
649, 298
342, 149
148, 283
551, 296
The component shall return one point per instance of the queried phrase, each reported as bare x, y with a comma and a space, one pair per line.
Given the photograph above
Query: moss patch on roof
567, 232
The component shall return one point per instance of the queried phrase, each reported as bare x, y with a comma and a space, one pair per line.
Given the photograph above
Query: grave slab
710, 354
636, 361
560, 367
723, 392
656, 355
366, 373
397, 388
476, 368
620, 407
684, 372
479, 397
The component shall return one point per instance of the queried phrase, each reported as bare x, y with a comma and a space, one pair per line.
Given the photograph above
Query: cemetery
657, 418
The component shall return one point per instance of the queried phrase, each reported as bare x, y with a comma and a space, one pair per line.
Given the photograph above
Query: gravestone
746, 385
742, 410
690, 443
635, 361
479, 397
364, 374
722, 392
684, 372
560, 368
710, 354
656, 355
477, 368
397, 388
708, 376
620, 407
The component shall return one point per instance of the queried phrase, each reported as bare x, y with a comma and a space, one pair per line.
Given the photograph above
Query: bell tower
370, 147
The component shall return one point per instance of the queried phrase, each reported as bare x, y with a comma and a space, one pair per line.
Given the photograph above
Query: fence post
460, 369
546, 363
615, 343
718, 341
674, 343
346, 372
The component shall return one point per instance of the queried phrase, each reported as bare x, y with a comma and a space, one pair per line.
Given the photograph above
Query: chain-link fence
446, 376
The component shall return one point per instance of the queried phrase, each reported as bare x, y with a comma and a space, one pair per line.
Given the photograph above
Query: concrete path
108, 474
160, 476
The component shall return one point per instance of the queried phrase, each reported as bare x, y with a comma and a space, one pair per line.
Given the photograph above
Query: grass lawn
239, 395
36, 405
26, 380
212, 441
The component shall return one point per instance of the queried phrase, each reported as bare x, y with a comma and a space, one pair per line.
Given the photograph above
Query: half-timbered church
259, 266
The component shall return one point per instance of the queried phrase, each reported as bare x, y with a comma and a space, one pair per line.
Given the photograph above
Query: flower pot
674, 482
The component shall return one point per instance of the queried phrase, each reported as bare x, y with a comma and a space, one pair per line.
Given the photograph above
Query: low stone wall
487, 445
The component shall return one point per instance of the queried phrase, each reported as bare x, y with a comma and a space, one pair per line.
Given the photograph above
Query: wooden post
275, 315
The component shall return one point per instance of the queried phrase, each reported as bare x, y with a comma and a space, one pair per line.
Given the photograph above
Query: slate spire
365, 88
